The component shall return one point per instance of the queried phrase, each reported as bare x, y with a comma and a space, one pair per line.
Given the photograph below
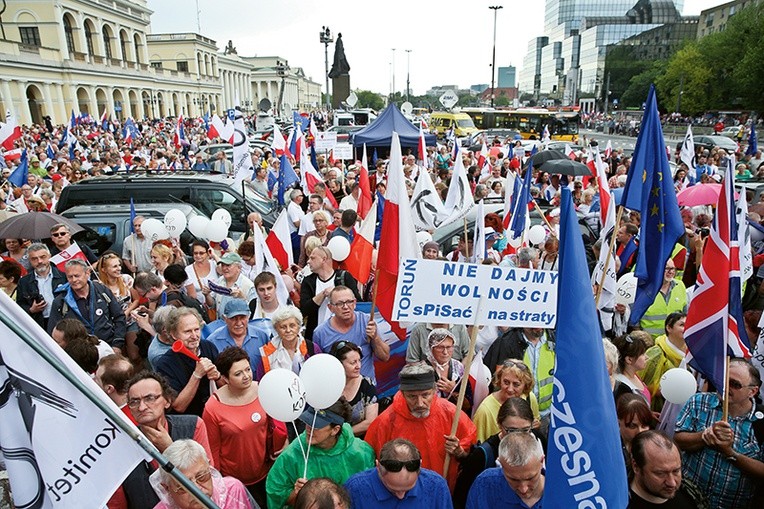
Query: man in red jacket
420, 416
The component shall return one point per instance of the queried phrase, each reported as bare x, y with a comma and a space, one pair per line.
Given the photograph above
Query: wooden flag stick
726, 403
610, 253
543, 216
374, 294
464, 381
466, 240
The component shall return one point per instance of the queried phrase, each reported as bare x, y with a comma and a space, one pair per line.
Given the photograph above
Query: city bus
529, 122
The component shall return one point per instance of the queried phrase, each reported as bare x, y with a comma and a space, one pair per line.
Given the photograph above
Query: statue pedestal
340, 90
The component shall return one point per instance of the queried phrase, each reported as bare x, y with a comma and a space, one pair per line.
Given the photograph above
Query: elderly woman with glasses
514, 416
321, 222
449, 371
512, 379
359, 391
190, 458
287, 349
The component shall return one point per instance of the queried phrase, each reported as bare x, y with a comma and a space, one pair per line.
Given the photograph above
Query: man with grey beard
420, 416
35, 292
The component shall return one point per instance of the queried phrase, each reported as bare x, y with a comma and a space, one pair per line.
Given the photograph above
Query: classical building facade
91, 56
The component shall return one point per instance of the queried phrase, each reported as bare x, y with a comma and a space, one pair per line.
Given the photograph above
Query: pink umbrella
699, 194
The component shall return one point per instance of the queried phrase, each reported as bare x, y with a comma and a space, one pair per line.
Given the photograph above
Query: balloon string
307, 456
296, 432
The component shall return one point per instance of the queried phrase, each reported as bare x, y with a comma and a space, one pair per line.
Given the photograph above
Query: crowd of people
118, 316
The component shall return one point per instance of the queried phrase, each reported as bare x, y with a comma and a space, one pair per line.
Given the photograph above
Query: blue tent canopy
380, 132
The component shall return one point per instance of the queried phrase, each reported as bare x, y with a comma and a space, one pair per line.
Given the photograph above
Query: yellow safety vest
654, 319
544, 377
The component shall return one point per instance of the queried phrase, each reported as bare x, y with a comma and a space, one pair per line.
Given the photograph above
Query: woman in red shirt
237, 424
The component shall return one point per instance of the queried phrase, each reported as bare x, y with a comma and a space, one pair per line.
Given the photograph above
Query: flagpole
726, 402
464, 381
467, 240
116, 418
543, 216
374, 295
610, 253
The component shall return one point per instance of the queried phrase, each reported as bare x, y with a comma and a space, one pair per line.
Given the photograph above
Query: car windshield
465, 123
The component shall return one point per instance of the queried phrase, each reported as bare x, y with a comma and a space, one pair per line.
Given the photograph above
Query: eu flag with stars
650, 191
584, 463
753, 143
287, 177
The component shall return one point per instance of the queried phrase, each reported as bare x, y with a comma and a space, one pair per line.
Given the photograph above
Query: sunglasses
516, 364
734, 384
59, 234
397, 466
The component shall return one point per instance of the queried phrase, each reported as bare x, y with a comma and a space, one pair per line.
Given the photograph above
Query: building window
183, 66
123, 46
30, 36
156, 65
137, 50
68, 33
106, 43
89, 39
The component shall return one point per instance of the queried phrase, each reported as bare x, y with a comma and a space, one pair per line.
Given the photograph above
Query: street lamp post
393, 95
495, 9
281, 68
325, 36
408, 74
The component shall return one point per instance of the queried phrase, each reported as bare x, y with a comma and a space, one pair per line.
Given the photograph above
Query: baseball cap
323, 418
236, 307
230, 259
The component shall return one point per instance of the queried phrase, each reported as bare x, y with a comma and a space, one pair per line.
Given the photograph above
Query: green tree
369, 99
636, 91
687, 73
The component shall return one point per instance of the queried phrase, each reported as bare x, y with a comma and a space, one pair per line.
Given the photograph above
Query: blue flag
650, 190
584, 463
19, 176
313, 156
380, 213
287, 177
520, 211
49, 151
753, 143
374, 158
304, 122
132, 215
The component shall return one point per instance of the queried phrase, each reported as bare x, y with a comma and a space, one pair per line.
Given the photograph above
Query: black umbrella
34, 225
565, 167
540, 158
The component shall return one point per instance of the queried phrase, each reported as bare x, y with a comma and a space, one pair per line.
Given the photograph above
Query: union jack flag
714, 328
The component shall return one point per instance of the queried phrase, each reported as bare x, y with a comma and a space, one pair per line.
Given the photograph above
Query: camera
703, 232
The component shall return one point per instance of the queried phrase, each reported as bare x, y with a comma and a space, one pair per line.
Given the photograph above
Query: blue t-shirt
256, 338
367, 491
156, 350
491, 490
325, 336
177, 368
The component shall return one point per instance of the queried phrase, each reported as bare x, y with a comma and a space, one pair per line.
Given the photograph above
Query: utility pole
607, 93
393, 95
408, 83
495, 9
681, 91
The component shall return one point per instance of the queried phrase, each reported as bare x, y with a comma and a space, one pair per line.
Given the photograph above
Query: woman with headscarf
448, 370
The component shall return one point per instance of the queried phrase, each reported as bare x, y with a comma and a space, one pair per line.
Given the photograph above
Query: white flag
687, 154
426, 206
480, 376
743, 235
459, 199
242, 159
479, 242
606, 303
60, 449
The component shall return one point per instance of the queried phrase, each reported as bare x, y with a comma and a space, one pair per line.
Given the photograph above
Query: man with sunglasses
398, 481
724, 458
62, 240
420, 416
351, 325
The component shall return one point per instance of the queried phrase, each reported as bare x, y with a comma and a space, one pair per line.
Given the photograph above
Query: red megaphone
179, 347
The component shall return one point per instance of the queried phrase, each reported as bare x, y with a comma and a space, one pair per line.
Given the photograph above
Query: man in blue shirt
398, 481
238, 331
347, 324
518, 483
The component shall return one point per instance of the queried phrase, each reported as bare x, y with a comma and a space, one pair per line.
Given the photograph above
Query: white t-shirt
323, 311
294, 212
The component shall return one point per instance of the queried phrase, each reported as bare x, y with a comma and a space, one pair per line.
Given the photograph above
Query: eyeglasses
198, 479
397, 466
516, 364
343, 303
509, 429
443, 348
200, 253
670, 269
734, 384
148, 399
59, 234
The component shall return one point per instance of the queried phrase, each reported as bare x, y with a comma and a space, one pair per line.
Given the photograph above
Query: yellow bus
529, 122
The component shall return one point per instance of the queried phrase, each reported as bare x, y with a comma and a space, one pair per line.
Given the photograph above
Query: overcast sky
450, 40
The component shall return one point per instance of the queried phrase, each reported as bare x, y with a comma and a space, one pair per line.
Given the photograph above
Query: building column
92, 100
109, 102
48, 101
80, 35
23, 114
63, 48
8, 102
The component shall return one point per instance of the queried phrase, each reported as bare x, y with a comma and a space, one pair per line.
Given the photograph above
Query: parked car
343, 131
106, 226
730, 132
209, 152
204, 192
709, 142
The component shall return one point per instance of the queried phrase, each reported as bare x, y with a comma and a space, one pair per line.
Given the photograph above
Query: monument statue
340, 66
230, 49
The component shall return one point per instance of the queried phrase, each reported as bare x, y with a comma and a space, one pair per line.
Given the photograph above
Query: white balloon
678, 385
340, 248
514, 242
536, 234
324, 379
153, 229
282, 394
626, 291
175, 222
216, 231
222, 215
197, 225
423, 238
